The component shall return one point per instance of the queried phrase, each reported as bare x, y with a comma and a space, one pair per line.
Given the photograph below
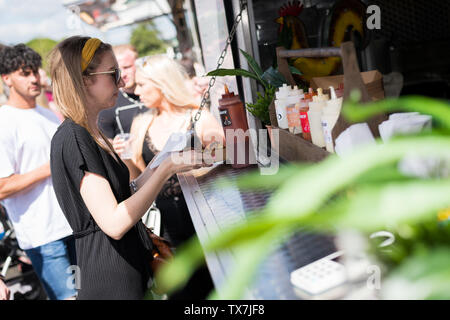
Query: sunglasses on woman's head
116, 74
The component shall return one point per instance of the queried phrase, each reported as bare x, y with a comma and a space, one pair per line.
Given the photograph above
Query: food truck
280, 71
385, 49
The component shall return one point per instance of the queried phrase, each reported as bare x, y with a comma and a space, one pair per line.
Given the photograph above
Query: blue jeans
51, 262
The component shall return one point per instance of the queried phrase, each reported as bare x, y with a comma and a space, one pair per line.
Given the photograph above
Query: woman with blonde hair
92, 184
162, 85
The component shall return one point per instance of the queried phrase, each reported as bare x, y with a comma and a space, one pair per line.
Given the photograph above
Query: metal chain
212, 81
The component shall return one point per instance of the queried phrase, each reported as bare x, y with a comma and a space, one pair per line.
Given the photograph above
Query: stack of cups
128, 151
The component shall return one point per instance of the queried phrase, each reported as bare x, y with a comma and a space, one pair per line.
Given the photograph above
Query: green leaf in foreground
253, 64
233, 72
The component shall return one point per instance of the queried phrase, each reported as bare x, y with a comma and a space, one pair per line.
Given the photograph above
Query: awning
108, 14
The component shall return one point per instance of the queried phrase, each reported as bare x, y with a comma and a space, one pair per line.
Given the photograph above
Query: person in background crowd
4, 290
162, 86
3, 97
47, 94
3, 93
26, 188
126, 55
91, 182
197, 85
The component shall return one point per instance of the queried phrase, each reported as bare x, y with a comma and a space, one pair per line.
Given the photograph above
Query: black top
176, 224
177, 227
110, 269
171, 186
107, 118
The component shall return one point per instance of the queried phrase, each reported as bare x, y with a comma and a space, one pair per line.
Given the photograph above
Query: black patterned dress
177, 227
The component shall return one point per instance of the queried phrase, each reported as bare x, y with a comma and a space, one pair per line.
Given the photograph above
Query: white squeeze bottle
330, 114
292, 113
315, 117
298, 92
280, 105
294, 96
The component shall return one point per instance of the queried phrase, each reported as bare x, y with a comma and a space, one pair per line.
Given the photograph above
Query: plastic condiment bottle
330, 115
321, 96
303, 108
309, 96
295, 95
298, 92
233, 118
293, 115
315, 118
280, 106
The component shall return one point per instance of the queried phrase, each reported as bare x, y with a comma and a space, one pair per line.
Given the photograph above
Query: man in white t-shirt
26, 188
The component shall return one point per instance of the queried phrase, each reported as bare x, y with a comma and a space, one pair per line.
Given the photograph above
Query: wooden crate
293, 147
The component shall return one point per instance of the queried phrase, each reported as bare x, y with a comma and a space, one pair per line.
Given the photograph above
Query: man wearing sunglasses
119, 118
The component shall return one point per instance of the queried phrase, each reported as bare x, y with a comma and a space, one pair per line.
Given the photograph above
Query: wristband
133, 186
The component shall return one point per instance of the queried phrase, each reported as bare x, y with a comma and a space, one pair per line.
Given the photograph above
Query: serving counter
214, 207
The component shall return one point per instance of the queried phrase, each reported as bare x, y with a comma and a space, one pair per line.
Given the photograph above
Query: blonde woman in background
162, 85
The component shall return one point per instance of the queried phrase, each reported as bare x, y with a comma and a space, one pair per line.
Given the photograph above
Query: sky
23, 20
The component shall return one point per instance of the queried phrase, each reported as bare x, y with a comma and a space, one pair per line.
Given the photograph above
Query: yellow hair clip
88, 52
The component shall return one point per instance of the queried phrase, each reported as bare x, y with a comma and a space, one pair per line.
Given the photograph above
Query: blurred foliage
425, 274
364, 191
146, 39
43, 46
261, 107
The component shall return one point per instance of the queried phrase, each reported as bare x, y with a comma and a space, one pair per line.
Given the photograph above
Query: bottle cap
298, 92
320, 96
312, 92
282, 92
227, 93
308, 96
228, 98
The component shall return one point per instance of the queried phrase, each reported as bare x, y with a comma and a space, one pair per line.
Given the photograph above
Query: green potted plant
270, 80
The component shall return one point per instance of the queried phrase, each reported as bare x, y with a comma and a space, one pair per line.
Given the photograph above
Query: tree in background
179, 21
43, 46
146, 39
